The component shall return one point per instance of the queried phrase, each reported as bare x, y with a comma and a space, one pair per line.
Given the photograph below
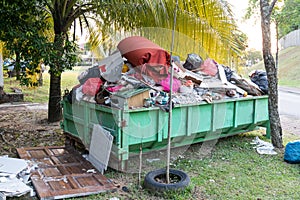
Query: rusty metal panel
62, 173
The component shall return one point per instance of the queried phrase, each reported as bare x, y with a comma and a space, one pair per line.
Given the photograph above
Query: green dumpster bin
191, 123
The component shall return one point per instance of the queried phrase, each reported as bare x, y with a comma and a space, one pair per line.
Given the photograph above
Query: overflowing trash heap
138, 75
15, 177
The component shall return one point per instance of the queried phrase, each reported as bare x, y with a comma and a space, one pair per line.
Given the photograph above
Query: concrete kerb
32, 106
289, 89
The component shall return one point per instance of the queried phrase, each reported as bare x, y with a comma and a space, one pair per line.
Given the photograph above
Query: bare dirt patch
27, 126
290, 125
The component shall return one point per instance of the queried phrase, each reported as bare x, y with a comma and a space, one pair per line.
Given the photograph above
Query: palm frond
205, 27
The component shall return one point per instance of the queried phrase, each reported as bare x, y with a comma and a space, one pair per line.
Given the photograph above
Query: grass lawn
288, 67
41, 94
233, 169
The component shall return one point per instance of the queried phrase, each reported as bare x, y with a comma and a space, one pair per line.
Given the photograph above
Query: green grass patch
236, 171
233, 170
289, 83
288, 67
41, 94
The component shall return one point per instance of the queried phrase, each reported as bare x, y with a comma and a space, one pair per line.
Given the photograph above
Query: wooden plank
63, 173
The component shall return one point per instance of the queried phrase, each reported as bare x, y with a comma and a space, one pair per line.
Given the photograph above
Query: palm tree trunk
1, 73
54, 106
276, 129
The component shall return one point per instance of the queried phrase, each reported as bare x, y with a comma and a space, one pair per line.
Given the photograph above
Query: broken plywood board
63, 173
133, 98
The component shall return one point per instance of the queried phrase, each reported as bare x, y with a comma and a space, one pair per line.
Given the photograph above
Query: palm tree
208, 25
63, 14
208, 22
1, 70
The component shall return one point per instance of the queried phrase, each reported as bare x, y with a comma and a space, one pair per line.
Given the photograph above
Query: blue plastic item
292, 152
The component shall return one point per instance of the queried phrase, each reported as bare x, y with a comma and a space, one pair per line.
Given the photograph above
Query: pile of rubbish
138, 75
14, 177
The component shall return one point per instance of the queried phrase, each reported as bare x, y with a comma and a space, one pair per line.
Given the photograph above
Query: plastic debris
263, 147
14, 177
292, 152
135, 66
114, 198
153, 160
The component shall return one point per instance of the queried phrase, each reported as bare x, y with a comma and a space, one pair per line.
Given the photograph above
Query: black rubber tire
151, 184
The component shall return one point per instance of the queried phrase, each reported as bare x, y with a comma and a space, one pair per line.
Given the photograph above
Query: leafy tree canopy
22, 25
289, 17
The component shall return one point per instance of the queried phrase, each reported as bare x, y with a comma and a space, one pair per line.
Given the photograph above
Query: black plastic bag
92, 72
193, 61
261, 80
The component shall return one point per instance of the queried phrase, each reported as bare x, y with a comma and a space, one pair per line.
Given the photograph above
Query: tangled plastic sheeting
263, 147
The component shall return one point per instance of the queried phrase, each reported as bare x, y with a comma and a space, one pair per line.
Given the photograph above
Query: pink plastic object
209, 67
165, 83
189, 83
91, 86
115, 88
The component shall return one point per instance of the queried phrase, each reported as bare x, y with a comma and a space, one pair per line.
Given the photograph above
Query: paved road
289, 102
289, 110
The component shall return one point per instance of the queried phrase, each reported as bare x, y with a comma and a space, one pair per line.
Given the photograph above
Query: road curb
22, 104
289, 89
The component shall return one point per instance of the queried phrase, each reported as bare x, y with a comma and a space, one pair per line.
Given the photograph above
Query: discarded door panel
63, 173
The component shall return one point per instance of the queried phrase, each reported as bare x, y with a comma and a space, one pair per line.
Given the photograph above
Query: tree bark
17, 67
271, 70
277, 46
1, 69
54, 106
1, 73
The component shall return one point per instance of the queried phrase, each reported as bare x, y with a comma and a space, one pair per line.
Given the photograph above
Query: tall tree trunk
276, 130
17, 67
1, 73
54, 106
277, 46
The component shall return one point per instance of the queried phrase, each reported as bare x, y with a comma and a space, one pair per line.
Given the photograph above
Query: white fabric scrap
263, 147
79, 94
3, 179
